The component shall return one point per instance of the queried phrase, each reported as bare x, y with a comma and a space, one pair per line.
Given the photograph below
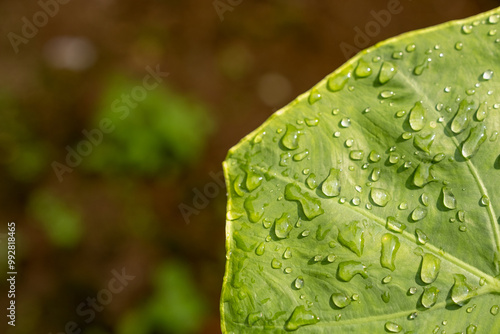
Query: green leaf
377, 203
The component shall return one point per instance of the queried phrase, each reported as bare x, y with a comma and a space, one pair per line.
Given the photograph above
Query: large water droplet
429, 296
393, 327
424, 143
419, 213
363, 69
283, 226
390, 247
423, 175
261, 248
331, 185
310, 206
419, 69
338, 81
374, 156
290, 139
375, 175
301, 156
417, 117
287, 254
348, 269
238, 185
285, 159
311, 181
254, 208
449, 200
340, 300
300, 317
487, 75
471, 145
485, 200
345, 122
462, 117
422, 238
276, 264
314, 96
356, 155
254, 317
430, 267
352, 236
494, 309
299, 283
394, 225
482, 112
471, 329
461, 292
380, 196
387, 72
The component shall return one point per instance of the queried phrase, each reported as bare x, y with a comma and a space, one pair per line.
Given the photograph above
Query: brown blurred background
143, 200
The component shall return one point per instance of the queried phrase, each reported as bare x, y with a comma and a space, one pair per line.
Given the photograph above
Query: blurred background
115, 117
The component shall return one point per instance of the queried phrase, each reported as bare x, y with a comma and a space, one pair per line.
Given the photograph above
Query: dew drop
412, 290
494, 19
311, 181
331, 185
261, 248
254, 208
394, 225
387, 94
387, 279
410, 47
355, 201
290, 139
424, 143
485, 200
419, 213
482, 112
276, 264
459, 46
487, 75
430, 267
422, 175
331, 258
363, 69
356, 155
466, 29
419, 69
352, 236
345, 122
283, 226
340, 300
301, 156
386, 297
438, 157
311, 206
380, 196
403, 205
412, 316
348, 269
287, 254
476, 138
494, 309
429, 296
374, 156
400, 113
461, 292
417, 117
338, 81
393, 158
375, 175
462, 117
390, 247
300, 317
393, 327
314, 96
449, 200
387, 72
422, 238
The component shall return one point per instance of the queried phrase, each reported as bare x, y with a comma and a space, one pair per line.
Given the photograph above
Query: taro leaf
371, 203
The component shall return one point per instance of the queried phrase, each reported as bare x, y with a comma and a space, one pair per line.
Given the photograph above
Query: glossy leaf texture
371, 203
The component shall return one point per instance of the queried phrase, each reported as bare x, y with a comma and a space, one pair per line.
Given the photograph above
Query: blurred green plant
61, 223
163, 132
23, 155
175, 305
